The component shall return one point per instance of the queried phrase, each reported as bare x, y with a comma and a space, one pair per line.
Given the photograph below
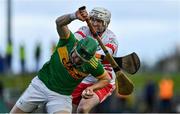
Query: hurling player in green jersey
71, 61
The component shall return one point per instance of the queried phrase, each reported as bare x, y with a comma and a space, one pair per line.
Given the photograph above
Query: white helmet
102, 14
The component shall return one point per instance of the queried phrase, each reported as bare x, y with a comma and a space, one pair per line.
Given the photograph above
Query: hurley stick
124, 84
129, 63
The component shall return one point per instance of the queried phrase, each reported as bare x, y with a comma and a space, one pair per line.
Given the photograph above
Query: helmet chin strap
70, 56
74, 64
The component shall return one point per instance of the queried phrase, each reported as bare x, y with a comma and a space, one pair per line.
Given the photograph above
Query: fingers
82, 15
87, 93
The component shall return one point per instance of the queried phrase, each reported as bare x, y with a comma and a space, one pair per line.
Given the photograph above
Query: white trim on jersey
109, 40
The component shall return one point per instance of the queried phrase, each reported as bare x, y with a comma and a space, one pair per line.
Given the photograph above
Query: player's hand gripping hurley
124, 84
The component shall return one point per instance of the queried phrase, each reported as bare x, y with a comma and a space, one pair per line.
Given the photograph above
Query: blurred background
151, 28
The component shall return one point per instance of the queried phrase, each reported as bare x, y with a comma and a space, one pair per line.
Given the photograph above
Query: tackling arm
103, 81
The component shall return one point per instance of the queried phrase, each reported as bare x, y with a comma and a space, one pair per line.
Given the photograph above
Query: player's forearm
65, 19
102, 82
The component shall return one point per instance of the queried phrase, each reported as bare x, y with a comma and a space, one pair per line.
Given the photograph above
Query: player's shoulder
83, 31
110, 33
84, 28
110, 37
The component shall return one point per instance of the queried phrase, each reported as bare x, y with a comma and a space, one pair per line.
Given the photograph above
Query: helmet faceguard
101, 14
86, 48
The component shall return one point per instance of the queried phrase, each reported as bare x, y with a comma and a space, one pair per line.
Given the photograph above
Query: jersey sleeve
110, 42
112, 46
63, 42
96, 69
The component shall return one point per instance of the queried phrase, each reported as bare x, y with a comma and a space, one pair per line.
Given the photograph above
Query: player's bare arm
63, 21
103, 80
61, 25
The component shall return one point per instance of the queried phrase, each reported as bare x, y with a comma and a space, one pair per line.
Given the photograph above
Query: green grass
16, 81
140, 79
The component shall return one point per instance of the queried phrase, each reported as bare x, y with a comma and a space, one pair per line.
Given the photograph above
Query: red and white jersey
108, 38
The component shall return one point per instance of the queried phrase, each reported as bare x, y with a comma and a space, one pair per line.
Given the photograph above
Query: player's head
100, 18
84, 50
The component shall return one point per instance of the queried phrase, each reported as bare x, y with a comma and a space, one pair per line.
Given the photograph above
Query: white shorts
37, 93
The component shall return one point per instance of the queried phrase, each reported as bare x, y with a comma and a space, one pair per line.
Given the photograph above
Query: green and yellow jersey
60, 75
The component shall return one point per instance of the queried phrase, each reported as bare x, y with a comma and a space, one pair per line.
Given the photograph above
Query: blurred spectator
22, 58
166, 92
150, 95
37, 55
3, 107
9, 50
1, 64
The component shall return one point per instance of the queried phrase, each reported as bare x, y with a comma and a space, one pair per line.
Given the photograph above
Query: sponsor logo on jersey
64, 58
